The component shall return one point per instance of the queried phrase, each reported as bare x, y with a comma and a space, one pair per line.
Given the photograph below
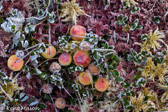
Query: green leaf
130, 58
107, 4
136, 21
125, 18
115, 73
119, 79
102, 69
120, 17
133, 27
31, 100
130, 107
139, 27
42, 105
144, 37
95, 55
116, 58
110, 67
1, 20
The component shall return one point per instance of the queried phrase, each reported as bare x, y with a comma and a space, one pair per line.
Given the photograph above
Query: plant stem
45, 61
53, 103
32, 47
49, 40
103, 50
128, 38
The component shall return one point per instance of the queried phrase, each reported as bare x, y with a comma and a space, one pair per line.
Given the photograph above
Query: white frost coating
17, 20
19, 53
28, 75
73, 46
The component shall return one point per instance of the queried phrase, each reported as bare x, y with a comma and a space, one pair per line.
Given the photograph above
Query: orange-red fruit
81, 58
78, 32
84, 78
51, 52
13, 65
93, 69
65, 59
101, 84
60, 103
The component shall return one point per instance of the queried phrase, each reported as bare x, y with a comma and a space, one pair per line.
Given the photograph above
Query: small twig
59, 18
66, 90
45, 61
32, 47
166, 14
27, 61
53, 103
128, 36
104, 50
49, 40
79, 103
114, 36
87, 15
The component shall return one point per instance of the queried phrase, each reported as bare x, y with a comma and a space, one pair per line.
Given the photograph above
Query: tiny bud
93, 69
55, 67
60, 103
47, 88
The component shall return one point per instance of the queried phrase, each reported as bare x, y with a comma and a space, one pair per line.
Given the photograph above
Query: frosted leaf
96, 36
91, 34
92, 46
1, 7
22, 37
51, 17
30, 28
6, 26
14, 12
24, 99
28, 75
26, 43
73, 46
54, 43
75, 86
79, 68
34, 103
35, 62
40, 12
34, 57
21, 95
16, 38
99, 55
38, 71
91, 39
58, 78
20, 54
15, 22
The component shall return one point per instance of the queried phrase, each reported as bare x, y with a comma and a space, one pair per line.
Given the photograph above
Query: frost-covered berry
55, 67
47, 88
60, 103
